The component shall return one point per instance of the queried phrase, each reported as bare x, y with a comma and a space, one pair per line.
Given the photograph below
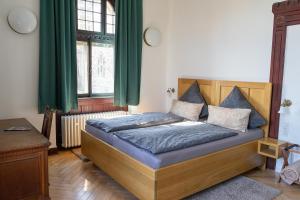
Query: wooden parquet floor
73, 179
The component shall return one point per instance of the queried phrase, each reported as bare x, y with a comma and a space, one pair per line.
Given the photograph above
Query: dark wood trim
103, 17
88, 105
95, 37
52, 151
286, 13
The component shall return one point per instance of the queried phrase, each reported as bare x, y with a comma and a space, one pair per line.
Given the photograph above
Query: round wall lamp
22, 20
152, 37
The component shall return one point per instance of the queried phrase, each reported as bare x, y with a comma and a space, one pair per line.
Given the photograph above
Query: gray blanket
165, 138
134, 121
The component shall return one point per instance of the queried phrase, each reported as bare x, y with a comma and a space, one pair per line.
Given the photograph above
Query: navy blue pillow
193, 95
237, 100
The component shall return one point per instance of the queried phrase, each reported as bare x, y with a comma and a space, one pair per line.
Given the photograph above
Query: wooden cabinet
23, 162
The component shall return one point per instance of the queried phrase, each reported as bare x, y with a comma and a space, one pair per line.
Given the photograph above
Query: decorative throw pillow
237, 100
193, 95
186, 110
235, 119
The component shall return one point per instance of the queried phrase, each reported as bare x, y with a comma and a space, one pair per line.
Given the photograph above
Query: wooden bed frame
188, 177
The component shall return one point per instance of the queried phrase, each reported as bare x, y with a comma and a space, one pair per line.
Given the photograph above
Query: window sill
95, 97
98, 104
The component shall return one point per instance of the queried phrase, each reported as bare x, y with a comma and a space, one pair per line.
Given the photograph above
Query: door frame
286, 14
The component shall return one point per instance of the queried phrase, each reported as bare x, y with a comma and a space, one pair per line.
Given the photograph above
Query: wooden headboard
215, 91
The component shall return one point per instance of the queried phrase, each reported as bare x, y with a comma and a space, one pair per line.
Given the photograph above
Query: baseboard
52, 151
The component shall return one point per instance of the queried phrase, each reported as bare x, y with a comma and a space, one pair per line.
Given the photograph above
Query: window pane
97, 7
81, 25
81, 4
110, 18
89, 6
88, 13
102, 68
97, 17
89, 16
89, 26
97, 27
109, 9
81, 14
82, 68
110, 29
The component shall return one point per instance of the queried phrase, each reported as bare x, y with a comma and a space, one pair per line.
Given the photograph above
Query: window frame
95, 37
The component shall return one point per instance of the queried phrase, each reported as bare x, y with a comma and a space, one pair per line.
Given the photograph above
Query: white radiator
72, 125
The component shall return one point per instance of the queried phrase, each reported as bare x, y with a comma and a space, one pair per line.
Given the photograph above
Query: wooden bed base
175, 181
188, 177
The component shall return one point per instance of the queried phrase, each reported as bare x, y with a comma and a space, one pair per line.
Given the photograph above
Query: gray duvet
165, 138
134, 121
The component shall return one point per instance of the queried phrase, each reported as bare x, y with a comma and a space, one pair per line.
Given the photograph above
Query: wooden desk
23, 162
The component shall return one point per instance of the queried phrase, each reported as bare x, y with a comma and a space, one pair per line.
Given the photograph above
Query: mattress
157, 161
106, 137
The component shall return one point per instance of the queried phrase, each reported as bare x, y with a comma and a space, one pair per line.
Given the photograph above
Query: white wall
227, 40
19, 68
153, 85
231, 40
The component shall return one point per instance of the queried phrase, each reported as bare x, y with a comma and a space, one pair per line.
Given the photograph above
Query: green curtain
57, 64
128, 51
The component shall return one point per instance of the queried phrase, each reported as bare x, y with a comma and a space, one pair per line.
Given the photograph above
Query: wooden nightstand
270, 147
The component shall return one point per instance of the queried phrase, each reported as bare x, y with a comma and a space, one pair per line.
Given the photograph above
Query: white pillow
187, 110
232, 118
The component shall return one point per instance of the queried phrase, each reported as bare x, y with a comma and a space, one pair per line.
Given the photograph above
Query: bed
164, 178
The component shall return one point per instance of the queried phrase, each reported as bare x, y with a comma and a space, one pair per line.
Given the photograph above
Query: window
95, 47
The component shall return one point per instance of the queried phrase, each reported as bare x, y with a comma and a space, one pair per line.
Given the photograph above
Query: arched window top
110, 17
112, 3
96, 16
